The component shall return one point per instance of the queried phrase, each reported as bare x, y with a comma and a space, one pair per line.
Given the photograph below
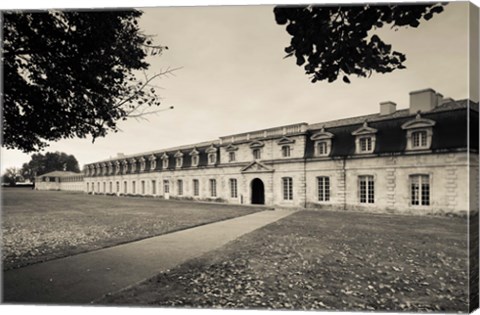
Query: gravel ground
43, 225
324, 261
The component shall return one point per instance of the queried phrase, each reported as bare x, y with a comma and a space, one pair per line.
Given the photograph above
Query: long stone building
422, 159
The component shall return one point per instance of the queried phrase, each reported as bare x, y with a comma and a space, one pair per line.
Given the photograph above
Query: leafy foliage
72, 74
11, 176
51, 161
331, 41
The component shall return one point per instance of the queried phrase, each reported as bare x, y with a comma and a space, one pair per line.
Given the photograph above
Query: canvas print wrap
291, 157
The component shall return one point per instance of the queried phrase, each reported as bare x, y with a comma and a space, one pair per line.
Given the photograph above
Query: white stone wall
448, 173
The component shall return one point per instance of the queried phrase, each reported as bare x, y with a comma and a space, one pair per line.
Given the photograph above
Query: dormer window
195, 160
231, 156
321, 148
322, 142
125, 166
365, 144
165, 161
178, 159
286, 151
365, 139
231, 152
142, 164
117, 167
194, 154
257, 154
419, 133
212, 158
153, 162
256, 147
104, 168
419, 139
110, 168
212, 155
133, 164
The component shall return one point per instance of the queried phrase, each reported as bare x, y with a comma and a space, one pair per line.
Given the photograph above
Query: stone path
86, 277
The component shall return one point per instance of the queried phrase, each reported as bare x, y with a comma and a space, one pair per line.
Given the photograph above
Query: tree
11, 176
330, 42
51, 161
73, 74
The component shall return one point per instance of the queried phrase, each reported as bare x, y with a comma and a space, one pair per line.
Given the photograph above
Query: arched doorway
258, 192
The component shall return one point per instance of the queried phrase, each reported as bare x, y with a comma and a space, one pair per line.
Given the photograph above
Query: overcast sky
234, 79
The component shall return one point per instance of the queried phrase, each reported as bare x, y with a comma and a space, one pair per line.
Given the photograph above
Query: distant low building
416, 160
60, 180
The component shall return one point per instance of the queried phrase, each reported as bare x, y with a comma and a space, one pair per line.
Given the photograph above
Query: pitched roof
397, 114
60, 174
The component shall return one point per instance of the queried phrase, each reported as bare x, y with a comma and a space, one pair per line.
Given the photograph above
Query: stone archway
258, 192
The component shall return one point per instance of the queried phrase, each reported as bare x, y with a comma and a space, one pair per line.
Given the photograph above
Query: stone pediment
256, 167
285, 140
256, 144
322, 135
418, 122
231, 148
364, 130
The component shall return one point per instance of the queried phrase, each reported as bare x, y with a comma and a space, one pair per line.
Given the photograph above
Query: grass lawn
42, 225
324, 261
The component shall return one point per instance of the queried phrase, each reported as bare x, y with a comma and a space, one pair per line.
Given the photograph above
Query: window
365, 139
165, 163
365, 144
419, 132
133, 187
231, 156
153, 162
104, 187
154, 187
133, 165
213, 188
212, 158
117, 187
419, 139
166, 186
117, 167
367, 189
142, 164
322, 148
323, 183
180, 187
194, 160
125, 188
125, 167
233, 188
257, 154
110, 187
179, 162
143, 187
196, 187
287, 188
286, 151
420, 190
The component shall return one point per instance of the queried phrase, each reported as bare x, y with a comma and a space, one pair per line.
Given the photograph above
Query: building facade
60, 180
423, 159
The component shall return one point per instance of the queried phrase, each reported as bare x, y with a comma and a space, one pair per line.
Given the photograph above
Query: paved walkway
86, 277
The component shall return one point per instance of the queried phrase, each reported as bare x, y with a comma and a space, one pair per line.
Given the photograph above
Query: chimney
120, 155
387, 108
447, 100
423, 100
439, 99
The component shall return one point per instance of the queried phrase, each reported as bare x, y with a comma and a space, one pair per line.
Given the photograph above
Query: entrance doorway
258, 192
